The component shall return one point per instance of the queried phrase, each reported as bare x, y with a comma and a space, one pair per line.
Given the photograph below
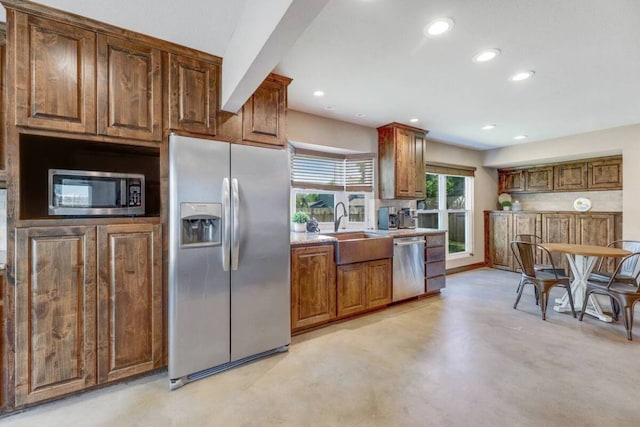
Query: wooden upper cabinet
129, 89
193, 95
264, 113
401, 162
510, 181
605, 174
570, 176
55, 75
129, 308
539, 179
55, 304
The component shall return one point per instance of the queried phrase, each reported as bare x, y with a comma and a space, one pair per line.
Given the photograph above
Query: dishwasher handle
403, 242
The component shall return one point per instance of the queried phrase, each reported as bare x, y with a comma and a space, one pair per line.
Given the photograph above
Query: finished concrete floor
465, 358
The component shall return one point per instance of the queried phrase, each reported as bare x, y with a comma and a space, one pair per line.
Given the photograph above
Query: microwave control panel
135, 192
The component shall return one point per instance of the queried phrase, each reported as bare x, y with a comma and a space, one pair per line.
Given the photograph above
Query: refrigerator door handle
235, 238
226, 247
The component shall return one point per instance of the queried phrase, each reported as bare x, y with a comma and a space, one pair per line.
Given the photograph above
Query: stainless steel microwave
92, 193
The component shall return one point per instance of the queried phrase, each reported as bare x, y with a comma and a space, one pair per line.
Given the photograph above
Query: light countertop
308, 239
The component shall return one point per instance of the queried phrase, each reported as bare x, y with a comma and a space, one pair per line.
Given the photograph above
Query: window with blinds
333, 172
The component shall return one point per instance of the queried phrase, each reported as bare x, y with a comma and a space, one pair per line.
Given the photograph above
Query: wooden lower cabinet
363, 285
129, 300
55, 317
313, 286
435, 263
88, 307
499, 238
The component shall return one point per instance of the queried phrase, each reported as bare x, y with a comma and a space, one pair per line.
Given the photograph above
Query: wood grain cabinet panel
379, 283
193, 95
352, 288
558, 228
435, 263
510, 181
539, 179
129, 89
55, 312
500, 236
570, 177
313, 286
401, 162
605, 174
263, 115
129, 300
55, 75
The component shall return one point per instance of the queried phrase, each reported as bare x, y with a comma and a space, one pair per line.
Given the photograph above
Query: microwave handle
124, 193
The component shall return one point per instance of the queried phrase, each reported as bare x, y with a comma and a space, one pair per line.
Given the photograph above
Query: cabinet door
558, 228
539, 179
599, 230
405, 163
193, 95
55, 75
55, 312
313, 286
263, 115
129, 90
500, 226
605, 174
352, 286
420, 185
129, 300
526, 223
510, 180
379, 283
571, 176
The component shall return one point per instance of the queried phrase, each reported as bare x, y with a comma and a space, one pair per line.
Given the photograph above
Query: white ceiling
371, 57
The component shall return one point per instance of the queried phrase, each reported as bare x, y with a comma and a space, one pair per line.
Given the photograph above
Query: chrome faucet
336, 223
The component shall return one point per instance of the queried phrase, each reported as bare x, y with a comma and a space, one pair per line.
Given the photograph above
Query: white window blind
329, 171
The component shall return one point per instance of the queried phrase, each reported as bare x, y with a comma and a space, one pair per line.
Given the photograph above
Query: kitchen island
323, 289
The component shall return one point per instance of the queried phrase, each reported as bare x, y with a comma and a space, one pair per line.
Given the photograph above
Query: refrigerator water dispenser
201, 224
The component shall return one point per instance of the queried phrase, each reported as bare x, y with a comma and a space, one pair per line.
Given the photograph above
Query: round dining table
582, 260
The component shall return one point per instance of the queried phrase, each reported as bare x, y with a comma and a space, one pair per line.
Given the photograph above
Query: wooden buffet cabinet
401, 162
501, 227
85, 301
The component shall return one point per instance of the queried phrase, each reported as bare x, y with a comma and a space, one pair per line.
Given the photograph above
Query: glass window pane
457, 240
356, 207
317, 205
428, 220
431, 202
455, 192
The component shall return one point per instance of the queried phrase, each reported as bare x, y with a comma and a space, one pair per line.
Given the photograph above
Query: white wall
623, 140
310, 129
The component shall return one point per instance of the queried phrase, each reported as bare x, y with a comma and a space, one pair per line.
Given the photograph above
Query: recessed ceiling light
522, 75
438, 27
330, 107
361, 115
486, 55
518, 137
414, 120
318, 93
488, 127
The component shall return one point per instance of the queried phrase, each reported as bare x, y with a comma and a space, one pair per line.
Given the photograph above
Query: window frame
339, 196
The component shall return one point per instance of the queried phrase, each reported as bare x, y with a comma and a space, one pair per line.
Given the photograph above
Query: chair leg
519, 296
544, 299
615, 309
519, 285
627, 317
584, 305
573, 309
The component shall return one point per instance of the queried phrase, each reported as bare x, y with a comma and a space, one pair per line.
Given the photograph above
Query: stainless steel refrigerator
229, 291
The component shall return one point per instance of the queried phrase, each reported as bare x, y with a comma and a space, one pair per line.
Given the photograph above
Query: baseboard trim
466, 268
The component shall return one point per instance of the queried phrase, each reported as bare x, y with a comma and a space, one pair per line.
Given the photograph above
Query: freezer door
260, 300
199, 298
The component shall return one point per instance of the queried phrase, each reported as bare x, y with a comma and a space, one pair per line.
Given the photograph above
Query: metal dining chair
542, 281
620, 289
533, 238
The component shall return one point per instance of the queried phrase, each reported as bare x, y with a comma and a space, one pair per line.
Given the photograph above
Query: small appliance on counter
387, 218
405, 219
312, 226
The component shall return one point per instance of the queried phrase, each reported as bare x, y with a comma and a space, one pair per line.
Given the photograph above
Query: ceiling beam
264, 33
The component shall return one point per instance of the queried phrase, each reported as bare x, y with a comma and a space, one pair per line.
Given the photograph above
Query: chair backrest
529, 238
628, 260
628, 266
525, 255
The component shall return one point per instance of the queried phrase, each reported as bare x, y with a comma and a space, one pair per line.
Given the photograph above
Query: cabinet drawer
434, 284
434, 269
435, 240
436, 253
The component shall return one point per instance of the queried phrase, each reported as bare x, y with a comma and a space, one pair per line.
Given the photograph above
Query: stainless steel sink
359, 246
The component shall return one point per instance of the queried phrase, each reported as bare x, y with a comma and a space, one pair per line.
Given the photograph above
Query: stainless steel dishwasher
408, 267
